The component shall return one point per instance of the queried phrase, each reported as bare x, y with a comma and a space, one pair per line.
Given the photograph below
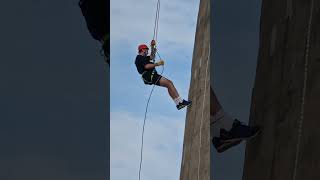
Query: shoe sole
184, 106
228, 145
243, 139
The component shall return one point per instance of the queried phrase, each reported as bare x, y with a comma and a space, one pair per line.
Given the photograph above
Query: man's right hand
159, 63
153, 43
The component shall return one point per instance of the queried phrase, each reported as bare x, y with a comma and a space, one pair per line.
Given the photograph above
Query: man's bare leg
180, 103
215, 106
234, 132
164, 82
218, 118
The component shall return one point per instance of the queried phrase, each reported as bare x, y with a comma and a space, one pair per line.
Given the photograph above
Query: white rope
300, 123
204, 98
155, 35
156, 22
144, 122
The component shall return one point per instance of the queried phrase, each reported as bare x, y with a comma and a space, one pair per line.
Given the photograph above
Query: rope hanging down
306, 63
155, 36
156, 22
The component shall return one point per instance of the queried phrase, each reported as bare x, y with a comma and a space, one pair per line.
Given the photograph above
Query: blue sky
131, 24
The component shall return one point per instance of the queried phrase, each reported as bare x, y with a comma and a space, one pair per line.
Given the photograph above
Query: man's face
145, 52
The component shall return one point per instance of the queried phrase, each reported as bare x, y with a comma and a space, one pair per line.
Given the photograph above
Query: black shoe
222, 145
240, 131
183, 104
225, 135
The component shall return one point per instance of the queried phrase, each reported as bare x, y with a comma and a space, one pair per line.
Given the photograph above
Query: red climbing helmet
142, 46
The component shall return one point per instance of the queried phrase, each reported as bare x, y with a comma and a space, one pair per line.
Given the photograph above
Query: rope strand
155, 36
156, 22
144, 122
306, 63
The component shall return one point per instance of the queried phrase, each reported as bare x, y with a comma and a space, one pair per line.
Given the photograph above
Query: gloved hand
153, 43
159, 63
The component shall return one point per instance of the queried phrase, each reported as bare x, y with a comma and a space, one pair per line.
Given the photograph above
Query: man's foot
239, 131
222, 145
183, 104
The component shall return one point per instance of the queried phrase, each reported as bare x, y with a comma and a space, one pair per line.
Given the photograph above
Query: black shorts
151, 78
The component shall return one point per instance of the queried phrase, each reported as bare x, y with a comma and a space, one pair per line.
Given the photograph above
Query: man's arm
153, 50
150, 66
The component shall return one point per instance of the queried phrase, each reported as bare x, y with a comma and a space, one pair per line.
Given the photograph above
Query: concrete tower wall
286, 95
196, 149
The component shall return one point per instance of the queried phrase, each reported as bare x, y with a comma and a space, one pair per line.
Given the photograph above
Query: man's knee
170, 82
167, 83
164, 82
171, 86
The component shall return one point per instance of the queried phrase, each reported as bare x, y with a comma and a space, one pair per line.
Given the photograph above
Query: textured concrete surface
285, 61
196, 149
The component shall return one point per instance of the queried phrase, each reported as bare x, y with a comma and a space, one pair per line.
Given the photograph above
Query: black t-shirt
141, 61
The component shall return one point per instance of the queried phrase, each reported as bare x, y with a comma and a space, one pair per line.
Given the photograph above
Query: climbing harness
145, 75
153, 52
306, 63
